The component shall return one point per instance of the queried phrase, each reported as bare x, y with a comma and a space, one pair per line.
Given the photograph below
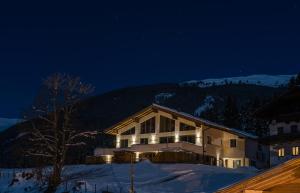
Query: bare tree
54, 118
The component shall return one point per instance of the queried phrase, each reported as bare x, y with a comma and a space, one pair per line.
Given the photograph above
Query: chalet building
157, 129
283, 136
284, 178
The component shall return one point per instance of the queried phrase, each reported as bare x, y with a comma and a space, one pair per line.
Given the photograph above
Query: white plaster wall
286, 127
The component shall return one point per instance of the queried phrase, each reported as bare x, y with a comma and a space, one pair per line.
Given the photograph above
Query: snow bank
148, 178
207, 104
162, 97
257, 79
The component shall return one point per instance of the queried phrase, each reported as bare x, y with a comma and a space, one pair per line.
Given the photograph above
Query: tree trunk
54, 179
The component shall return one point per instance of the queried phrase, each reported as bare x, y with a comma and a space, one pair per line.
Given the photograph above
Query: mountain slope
6, 123
257, 79
102, 111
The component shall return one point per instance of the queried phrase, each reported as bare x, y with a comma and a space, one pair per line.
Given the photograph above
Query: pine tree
211, 114
297, 79
231, 113
292, 82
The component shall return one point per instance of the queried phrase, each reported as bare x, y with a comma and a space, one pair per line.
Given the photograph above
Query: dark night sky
124, 43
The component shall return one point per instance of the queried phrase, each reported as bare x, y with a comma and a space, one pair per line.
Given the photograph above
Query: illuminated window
295, 150
281, 152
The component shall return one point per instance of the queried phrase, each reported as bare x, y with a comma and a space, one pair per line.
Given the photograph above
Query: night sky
126, 43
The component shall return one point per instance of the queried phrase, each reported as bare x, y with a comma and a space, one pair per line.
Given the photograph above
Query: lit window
281, 152
295, 150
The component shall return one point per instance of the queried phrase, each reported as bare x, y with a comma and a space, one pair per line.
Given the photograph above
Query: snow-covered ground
162, 97
257, 79
207, 104
148, 178
6, 123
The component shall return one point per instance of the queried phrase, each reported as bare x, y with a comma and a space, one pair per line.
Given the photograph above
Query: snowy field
149, 178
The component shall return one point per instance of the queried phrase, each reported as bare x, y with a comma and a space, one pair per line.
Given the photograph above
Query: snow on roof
236, 131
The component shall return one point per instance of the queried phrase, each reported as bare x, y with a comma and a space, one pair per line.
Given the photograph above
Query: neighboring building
283, 136
161, 129
284, 178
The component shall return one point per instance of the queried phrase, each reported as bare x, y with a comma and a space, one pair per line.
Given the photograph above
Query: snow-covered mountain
6, 123
257, 79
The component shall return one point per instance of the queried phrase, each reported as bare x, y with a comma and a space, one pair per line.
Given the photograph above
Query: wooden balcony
179, 146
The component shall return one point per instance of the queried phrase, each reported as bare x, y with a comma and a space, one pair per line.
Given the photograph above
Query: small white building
283, 136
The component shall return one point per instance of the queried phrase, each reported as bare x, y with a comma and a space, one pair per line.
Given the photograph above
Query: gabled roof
155, 107
282, 178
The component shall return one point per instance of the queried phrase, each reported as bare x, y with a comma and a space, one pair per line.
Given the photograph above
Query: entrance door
237, 163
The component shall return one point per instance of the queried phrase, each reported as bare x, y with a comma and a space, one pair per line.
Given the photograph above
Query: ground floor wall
282, 152
172, 157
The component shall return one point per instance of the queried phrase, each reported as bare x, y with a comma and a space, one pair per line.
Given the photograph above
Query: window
294, 129
124, 143
281, 152
208, 139
279, 130
129, 132
144, 141
252, 163
226, 163
237, 163
169, 139
295, 150
185, 127
148, 126
166, 124
232, 142
188, 138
